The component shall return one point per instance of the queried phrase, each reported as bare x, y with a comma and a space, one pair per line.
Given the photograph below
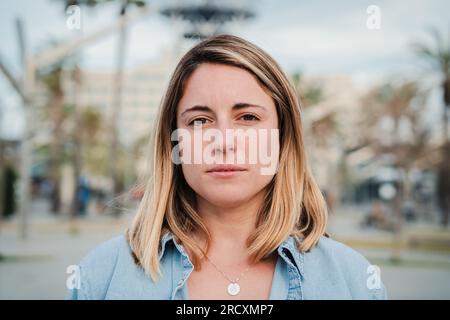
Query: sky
314, 37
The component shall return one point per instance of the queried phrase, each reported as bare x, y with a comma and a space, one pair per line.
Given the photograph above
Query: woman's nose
224, 147
226, 141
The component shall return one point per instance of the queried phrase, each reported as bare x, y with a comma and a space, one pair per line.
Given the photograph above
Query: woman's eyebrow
236, 106
196, 108
242, 105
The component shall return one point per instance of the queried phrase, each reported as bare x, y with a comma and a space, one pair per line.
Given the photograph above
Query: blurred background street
80, 86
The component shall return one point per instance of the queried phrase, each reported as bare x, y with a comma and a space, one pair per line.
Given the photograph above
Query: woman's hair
293, 204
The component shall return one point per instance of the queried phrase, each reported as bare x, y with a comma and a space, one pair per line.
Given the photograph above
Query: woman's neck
230, 226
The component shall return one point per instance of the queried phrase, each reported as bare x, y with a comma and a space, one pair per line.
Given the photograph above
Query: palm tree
438, 54
309, 94
52, 80
94, 154
77, 159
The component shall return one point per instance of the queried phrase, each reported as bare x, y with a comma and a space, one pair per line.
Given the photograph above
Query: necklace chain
223, 273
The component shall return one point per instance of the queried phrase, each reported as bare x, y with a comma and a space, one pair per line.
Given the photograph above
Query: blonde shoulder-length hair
293, 203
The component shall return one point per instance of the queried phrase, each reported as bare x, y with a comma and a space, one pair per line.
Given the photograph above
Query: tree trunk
77, 145
443, 183
55, 159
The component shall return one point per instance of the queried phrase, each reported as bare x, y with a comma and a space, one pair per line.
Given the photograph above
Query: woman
210, 227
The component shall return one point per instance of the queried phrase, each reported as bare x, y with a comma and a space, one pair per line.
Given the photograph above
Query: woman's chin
227, 200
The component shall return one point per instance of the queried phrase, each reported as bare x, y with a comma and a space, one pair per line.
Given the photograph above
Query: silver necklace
233, 287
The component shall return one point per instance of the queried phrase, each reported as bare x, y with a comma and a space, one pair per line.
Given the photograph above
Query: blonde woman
218, 228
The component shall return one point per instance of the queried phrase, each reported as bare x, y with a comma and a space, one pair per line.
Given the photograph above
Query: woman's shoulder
95, 269
106, 251
342, 264
333, 249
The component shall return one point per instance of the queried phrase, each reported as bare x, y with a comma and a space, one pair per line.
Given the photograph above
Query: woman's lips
224, 171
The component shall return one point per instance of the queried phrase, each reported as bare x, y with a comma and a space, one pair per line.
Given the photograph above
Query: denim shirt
330, 270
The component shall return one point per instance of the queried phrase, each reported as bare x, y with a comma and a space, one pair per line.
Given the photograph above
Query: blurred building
143, 87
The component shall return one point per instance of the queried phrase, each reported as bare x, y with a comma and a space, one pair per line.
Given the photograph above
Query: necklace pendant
233, 289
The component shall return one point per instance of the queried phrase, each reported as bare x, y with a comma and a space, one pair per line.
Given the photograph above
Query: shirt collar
289, 245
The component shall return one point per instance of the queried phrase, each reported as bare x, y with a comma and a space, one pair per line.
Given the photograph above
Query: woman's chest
209, 283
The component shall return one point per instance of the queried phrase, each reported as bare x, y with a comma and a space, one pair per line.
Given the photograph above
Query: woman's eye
249, 117
198, 121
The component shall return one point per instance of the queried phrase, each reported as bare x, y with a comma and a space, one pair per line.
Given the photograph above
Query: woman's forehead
218, 85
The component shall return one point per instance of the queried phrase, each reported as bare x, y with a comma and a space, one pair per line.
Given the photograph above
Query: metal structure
206, 19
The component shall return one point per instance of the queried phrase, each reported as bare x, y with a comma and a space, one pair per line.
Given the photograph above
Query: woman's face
227, 105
